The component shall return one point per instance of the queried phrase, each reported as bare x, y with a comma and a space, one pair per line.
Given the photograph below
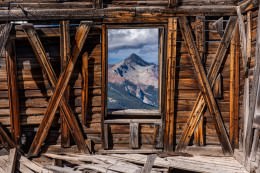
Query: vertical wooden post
234, 89
254, 91
84, 93
134, 135
200, 42
246, 85
13, 93
64, 57
170, 85
104, 83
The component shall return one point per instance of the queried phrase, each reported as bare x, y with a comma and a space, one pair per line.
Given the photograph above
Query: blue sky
123, 42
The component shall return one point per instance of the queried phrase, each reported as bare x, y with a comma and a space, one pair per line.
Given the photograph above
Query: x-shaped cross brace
206, 82
60, 86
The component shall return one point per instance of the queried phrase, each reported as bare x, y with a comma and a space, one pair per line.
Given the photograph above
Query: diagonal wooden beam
6, 138
170, 85
206, 95
64, 58
57, 98
4, 35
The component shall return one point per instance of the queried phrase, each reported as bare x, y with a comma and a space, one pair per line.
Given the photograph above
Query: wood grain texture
234, 89
170, 85
84, 94
200, 42
64, 57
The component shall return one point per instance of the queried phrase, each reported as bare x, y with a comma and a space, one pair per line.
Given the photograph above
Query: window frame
139, 113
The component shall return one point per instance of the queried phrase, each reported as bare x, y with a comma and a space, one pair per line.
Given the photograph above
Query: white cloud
131, 38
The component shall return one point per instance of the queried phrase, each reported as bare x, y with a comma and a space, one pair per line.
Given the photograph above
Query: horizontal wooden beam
48, 14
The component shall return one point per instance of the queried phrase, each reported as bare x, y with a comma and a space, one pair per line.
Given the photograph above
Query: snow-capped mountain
133, 84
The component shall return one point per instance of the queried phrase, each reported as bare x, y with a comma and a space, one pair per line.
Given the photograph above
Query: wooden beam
104, 84
64, 55
42, 132
13, 93
4, 35
242, 31
206, 85
87, 13
84, 92
134, 135
6, 138
200, 42
170, 85
254, 92
12, 160
246, 85
234, 90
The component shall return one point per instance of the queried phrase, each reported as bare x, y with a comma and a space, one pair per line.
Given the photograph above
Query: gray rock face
133, 84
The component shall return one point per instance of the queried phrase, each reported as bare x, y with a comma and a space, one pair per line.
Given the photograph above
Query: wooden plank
234, 90
103, 85
200, 42
246, 85
106, 132
242, 31
149, 163
200, 104
42, 132
84, 94
205, 87
134, 135
4, 35
86, 13
12, 160
170, 85
254, 92
13, 94
64, 55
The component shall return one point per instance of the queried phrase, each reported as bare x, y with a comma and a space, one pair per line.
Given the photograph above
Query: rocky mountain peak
135, 59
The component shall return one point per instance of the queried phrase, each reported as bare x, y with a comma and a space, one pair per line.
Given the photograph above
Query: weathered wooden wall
34, 88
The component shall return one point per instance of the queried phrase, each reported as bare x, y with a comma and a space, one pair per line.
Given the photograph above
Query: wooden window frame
135, 113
